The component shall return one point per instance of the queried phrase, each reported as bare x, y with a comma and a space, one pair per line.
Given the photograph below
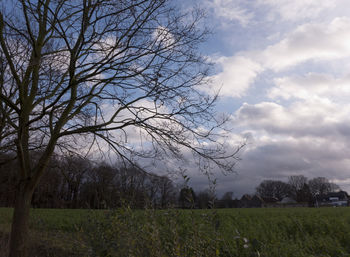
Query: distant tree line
75, 182
298, 188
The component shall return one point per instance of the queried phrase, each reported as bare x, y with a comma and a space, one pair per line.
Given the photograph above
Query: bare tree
100, 186
81, 72
167, 192
228, 196
73, 169
297, 183
203, 199
320, 186
304, 194
273, 189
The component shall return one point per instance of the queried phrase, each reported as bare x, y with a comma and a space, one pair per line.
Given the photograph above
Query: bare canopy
79, 72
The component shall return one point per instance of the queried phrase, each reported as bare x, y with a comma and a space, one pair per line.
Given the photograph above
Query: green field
225, 232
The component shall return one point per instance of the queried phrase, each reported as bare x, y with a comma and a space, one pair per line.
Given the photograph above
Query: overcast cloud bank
290, 77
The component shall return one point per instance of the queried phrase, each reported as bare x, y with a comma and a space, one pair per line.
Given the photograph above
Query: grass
53, 232
292, 232
226, 232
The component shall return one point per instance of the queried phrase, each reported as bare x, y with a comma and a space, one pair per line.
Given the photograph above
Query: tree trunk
20, 223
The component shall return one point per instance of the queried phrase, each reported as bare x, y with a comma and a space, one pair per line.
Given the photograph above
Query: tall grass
228, 232
153, 233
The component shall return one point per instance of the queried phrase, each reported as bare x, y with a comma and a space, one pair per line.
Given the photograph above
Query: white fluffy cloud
310, 41
297, 9
311, 85
237, 74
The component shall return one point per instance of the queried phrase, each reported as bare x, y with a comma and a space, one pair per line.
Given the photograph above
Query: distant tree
167, 192
273, 189
304, 194
228, 196
320, 186
98, 188
134, 185
296, 183
160, 190
50, 192
227, 200
75, 182
7, 181
74, 170
203, 199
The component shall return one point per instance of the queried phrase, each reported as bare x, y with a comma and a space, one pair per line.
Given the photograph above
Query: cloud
231, 10
237, 74
307, 136
297, 9
277, 158
310, 41
296, 120
296, 55
163, 36
311, 85
317, 42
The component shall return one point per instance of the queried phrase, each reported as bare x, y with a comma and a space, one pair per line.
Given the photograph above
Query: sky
283, 70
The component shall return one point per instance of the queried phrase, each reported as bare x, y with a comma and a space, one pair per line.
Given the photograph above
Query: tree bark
20, 224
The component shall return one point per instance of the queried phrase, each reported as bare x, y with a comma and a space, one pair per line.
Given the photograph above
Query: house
248, 201
270, 202
288, 200
256, 202
340, 198
228, 203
